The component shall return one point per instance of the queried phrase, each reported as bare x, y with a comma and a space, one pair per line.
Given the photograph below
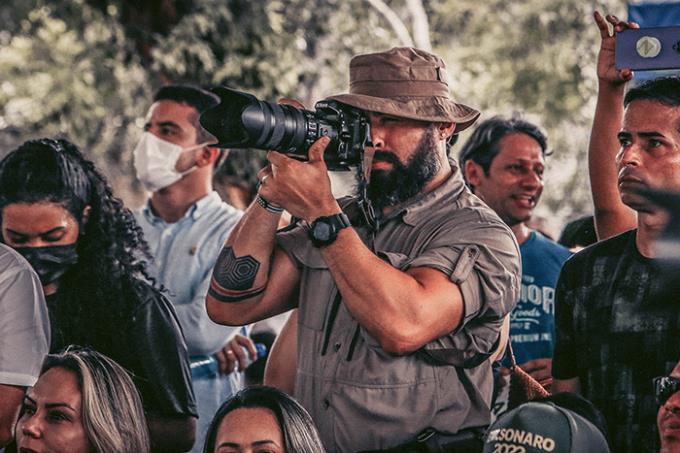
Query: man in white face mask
185, 223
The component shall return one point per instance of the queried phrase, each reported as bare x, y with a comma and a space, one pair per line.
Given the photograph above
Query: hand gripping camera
241, 120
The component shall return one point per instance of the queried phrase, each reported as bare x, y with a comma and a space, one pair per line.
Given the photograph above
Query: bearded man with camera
402, 289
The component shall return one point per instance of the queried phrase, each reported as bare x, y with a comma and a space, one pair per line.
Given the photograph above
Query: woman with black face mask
58, 211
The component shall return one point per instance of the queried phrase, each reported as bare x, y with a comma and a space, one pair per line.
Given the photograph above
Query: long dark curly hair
99, 290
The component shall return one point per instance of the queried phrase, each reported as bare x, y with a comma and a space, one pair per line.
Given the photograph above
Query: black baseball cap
543, 427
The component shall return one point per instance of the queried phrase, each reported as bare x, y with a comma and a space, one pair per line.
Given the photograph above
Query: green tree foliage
533, 57
86, 68
68, 70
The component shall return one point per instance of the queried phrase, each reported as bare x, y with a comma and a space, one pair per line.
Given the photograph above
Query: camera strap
459, 358
365, 204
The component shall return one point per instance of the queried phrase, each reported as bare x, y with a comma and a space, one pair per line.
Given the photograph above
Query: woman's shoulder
144, 296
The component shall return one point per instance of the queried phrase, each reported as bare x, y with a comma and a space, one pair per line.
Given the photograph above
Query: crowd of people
426, 313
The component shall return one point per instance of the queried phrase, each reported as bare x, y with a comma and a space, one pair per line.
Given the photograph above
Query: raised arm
403, 311
252, 279
611, 215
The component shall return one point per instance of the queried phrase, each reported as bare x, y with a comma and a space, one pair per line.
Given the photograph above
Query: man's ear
473, 172
207, 156
445, 130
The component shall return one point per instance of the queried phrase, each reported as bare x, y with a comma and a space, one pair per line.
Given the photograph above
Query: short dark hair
299, 432
194, 97
199, 99
579, 232
482, 146
665, 90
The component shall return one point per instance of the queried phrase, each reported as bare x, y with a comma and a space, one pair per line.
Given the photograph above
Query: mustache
386, 156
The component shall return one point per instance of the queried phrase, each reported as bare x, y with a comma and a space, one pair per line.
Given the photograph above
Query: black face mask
50, 263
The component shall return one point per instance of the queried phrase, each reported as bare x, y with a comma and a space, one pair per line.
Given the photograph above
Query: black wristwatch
325, 229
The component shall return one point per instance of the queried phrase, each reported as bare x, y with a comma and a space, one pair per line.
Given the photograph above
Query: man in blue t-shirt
503, 163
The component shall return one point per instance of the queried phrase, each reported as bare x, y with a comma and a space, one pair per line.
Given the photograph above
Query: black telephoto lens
241, 120
275, 126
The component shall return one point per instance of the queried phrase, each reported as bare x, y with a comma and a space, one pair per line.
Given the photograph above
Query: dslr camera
241, 120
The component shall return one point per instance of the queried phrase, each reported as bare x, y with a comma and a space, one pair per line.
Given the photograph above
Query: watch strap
335, 223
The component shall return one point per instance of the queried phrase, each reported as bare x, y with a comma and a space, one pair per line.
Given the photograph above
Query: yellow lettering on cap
521, 437
493, 436
538, 441
548, 444
517, 436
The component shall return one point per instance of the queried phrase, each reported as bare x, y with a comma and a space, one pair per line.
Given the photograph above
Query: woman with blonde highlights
83, 402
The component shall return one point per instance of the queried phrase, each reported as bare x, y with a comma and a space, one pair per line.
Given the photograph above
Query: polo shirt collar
195, 212
204, 205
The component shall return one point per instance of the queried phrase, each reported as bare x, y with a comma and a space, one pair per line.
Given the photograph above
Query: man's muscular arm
612, 217
252, 279
233, 277
403, 311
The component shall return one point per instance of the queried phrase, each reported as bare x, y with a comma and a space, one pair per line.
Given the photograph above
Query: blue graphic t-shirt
532, 322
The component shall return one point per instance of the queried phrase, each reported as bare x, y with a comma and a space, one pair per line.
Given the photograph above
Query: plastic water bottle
261, 349
209, 366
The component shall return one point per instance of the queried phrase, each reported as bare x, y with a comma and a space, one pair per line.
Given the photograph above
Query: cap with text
543, 427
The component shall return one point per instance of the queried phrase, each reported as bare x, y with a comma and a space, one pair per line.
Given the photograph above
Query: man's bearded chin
391, 187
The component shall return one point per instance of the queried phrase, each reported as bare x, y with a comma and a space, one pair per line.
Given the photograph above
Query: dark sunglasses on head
664, 387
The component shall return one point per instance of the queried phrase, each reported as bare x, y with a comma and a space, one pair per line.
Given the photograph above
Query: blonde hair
111, 413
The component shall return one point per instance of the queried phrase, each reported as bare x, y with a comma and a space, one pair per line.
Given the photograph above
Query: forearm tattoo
233, 277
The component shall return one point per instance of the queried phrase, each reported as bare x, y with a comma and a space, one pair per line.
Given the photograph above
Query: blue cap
261, 349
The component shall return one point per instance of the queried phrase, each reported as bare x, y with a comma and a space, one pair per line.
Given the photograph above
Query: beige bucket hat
404, 82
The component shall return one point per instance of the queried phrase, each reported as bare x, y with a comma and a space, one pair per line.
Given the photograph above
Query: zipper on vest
329, 322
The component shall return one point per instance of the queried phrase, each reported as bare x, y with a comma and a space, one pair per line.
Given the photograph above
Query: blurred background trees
86, 69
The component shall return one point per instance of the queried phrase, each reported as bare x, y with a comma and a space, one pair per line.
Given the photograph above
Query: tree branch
395, 22
421, 24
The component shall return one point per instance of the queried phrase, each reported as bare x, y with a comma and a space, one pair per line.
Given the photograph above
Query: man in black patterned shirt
612, 337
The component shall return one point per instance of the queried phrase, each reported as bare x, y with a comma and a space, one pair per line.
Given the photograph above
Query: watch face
322, 231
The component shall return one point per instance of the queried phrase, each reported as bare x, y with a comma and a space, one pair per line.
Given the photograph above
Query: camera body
646, 49
241, 120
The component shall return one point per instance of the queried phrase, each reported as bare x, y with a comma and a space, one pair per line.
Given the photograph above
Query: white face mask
155, 161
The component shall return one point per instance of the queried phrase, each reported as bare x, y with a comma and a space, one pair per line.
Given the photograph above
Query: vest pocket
317, 290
